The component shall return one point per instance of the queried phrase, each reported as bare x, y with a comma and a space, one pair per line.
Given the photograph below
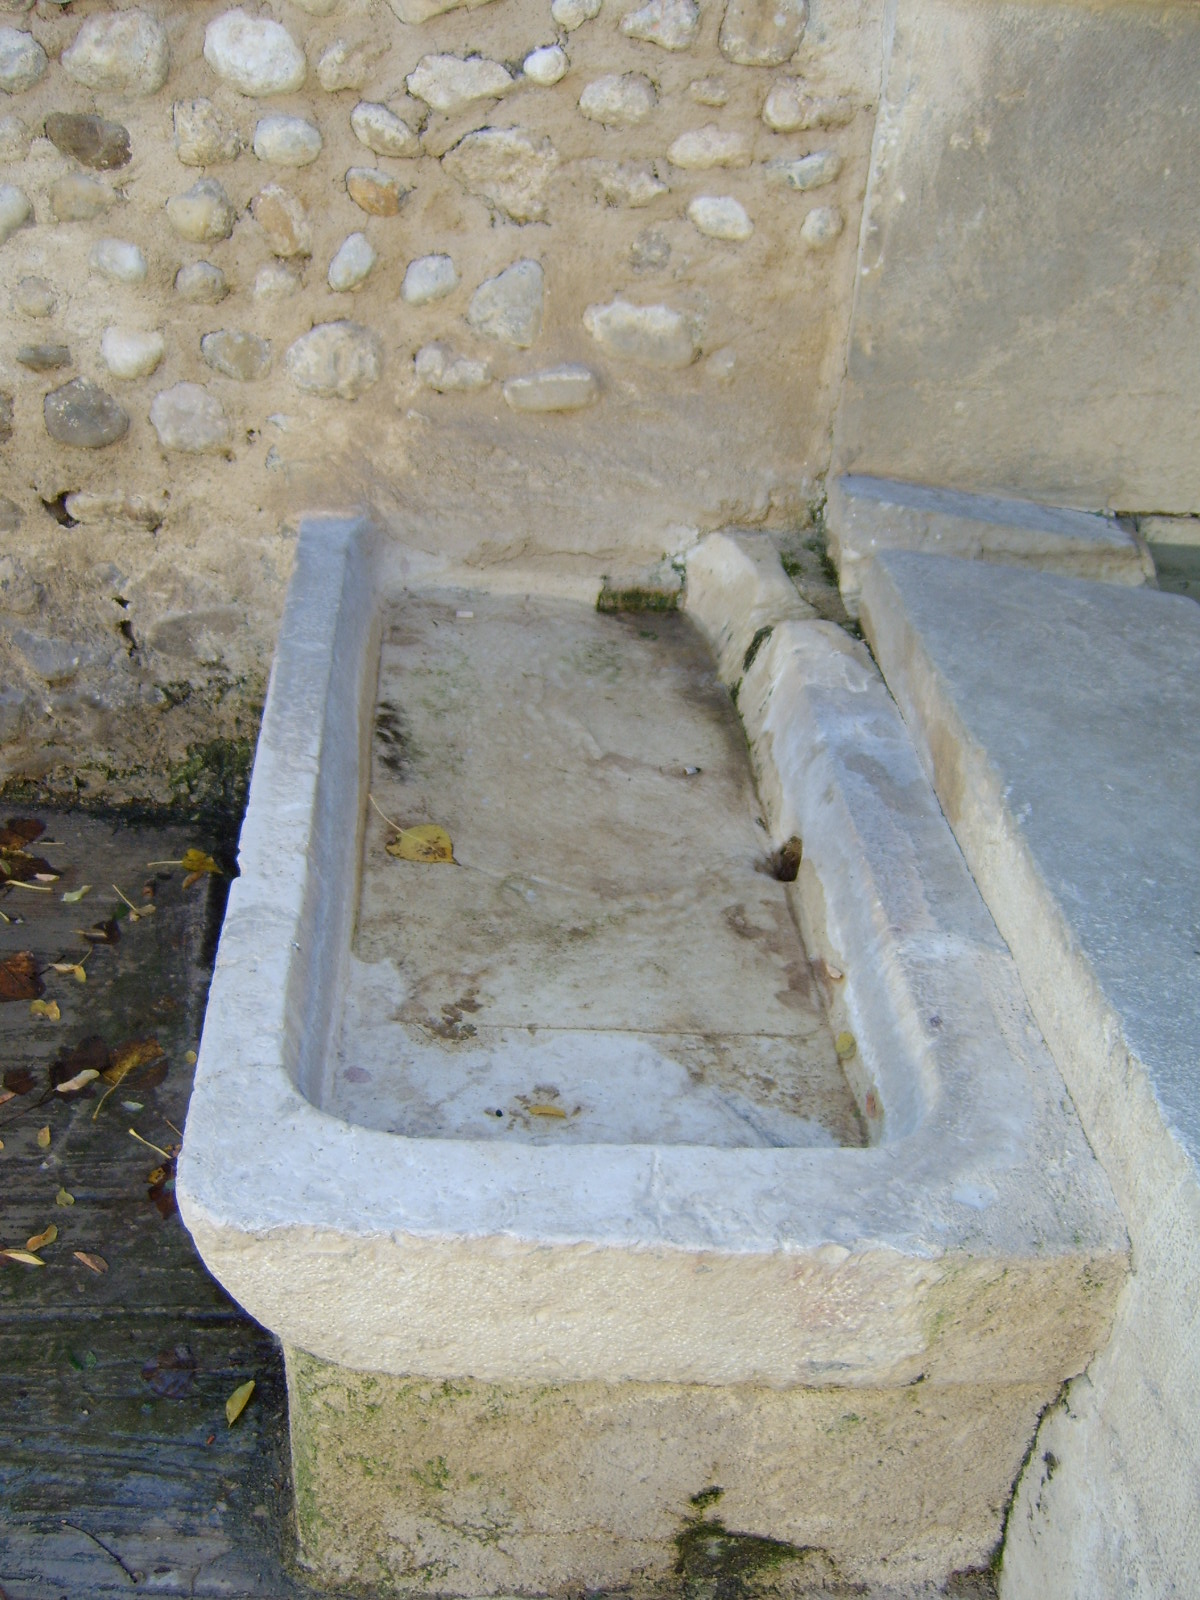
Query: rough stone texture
710, 146
44, 357
284, 222
79, 198
382, 131
1055, 718
572, 14
276, 281
790, 108
762, 33
720, 217
569, 387
16, 210
509, 306
202, 283
805, 172
256, 55
375, 192
619, 101
428, 278
449, 83
189, 419
546, 66
203, 214
656, 336
627, 183
673, 24
35, 297
335, 358
821, 227
353, 262
237, 355
129, 353
14, 138
203, 138
507, 167
22, 61
438, 368
82, 415
287, 141
92, 141
345, 65
125, 52
118, 260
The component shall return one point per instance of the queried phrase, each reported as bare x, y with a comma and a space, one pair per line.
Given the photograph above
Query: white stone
709, 91
569, 387
22, 61
339, 359
129, 353
655, 336
762, 33
507, 167
805, 172
118, 260
710, 146
189, 419
201, 283
673, 24
256, 55
720, 217
276, 281
122, 51
618, 100
439, 368
627, 183
722, 365
203, 214
572, 14
202, 136
346, 65
381, 130
14, 138
821, 227
448, 83
350, 266
428, 278
789, 108
287, 141
15, 210
35, 297
546, 65
509, 306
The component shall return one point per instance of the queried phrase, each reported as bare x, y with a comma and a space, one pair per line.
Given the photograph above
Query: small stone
546, 65
202, 136
509, 306
202, 215
439, 368
383, 131
572, 14
789, 109
275, 281
805, 172
287, 141
335, 358
721, 365
346, 66
720, 217
673, 24
124, 51
569, 387
414, 11
22, 61
428, 278
350, 266
6, 417
284, 221
35, 297
650, 251
44, 357
709, 91
374, 191
618, 101
762, 33
101, 506
627, 183
507, 168
234, 354
821, 227
129, 353
82, 414
318, 8
118, 261
79, 198
254, 54
448, 83
15, 210
710, 146
93, 141
656, 336
189, 419
14, 138
201, 283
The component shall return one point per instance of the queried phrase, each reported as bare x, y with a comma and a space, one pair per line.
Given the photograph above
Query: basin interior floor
609, 958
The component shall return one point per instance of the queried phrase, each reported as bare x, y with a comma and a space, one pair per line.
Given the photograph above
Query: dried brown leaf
47, 1236
19, 977
96, 1263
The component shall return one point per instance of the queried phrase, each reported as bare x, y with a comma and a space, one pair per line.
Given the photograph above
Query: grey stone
353, 262
318, 8
381, 130
448, 83
655, 336
414, 11
15, 210
789, 108
673, 24
22, 61
82, 414
762, 33
19, 594
618, 100
236, 354
10, 521
428, 278
821, 227
14, 138
122, 51
569, 387
255, 54
201, 283
203, 138
54, 660
341, 359
79, 198
35, 297
650, 250
805, 172
626, 183
118, 260
709, 91
44, 357
572, 14
189, 419
93, 141
202, 636
507, 167
101, 507
720, 217
203, 214
276, 281
12, 713
374, 191
710, 146
509, 306
287, 141
438, 368
545, 66
283, 220
130, 352
344, 65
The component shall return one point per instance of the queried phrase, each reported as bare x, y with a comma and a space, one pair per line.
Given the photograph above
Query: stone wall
566, 281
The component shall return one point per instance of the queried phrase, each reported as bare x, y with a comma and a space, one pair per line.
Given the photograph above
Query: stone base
420, 1486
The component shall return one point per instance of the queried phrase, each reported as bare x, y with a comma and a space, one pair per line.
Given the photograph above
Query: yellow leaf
73, 896
96, 1263
846, 1045
45, 1008
62, 1198
236, 1403
199, 861
43, 1137
47, 1236
190, 1057
26, 1256
78, 1081
547, 1111
425, 842
75, 968
128, 1058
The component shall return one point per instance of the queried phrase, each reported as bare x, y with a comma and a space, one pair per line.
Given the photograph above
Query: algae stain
611, 600
435, 1474
717, 1563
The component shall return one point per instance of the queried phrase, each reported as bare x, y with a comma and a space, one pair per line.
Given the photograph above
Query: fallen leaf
1, 1144
190, 1057
424, 842
126, 1059
18, 977
25, 1256
45, 1008
79, 1081
198, 862
19, 1080
90, 1054
162, 1190
47, 1236
170, 1372
62, 1198
96, 1263
17, 832
74, 896
43, 1137
75, 968
236, 1403
101, 932
547, 1111
47, 877
846, 1045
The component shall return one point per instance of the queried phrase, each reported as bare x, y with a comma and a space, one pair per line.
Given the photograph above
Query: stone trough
629, 1214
